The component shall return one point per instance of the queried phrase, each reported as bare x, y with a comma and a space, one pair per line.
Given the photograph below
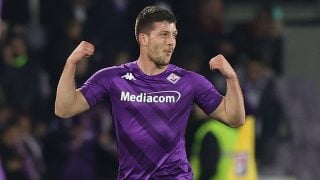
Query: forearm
69, 100
234, 104
66, 91
231, 109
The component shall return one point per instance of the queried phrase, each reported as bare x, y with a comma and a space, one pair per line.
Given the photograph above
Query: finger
89, 49
87, 56
86, 44
215, 64
89, 53
211, 63
89, 45
216, 61
215, 67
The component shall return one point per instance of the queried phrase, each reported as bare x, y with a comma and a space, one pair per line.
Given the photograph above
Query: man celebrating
151, 99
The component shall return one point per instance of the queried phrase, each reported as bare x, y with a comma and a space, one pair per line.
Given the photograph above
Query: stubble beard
160, 62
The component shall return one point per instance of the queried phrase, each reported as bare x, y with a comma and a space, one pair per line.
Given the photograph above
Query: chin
165, 62
162, 62
159, 64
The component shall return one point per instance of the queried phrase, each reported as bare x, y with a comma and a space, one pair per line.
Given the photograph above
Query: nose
171, 40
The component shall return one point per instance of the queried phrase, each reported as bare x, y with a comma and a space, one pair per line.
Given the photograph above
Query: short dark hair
149, 15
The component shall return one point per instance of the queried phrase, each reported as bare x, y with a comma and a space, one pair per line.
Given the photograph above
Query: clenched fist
220, 63
82, 51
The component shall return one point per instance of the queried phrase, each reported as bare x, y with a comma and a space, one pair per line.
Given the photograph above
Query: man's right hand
82, 51
69, 100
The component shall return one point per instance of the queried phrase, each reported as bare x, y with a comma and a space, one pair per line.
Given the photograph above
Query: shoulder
191, 75
112, 71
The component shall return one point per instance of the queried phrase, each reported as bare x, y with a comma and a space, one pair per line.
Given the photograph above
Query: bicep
81, 104
220, 112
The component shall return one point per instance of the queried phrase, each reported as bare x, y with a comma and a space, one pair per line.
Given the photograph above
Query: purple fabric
0, 15
2, 175
150, 114
1, 2
80, 164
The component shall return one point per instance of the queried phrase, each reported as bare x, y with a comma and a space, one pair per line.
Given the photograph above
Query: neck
148, 67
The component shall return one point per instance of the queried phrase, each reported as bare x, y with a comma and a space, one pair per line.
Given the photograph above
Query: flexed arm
69, 100
231, 110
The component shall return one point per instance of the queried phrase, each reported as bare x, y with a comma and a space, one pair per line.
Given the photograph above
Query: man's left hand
220, 63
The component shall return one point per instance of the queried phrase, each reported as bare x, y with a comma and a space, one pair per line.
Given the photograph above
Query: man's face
161, 42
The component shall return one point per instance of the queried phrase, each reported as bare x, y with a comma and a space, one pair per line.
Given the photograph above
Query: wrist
71, 62
232, 77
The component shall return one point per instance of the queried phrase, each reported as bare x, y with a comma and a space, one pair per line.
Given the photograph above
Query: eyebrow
176, 32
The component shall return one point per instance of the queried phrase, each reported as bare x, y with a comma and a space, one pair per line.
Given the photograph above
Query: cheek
155, 47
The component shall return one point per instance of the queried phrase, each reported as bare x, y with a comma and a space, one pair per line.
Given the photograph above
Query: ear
143, 39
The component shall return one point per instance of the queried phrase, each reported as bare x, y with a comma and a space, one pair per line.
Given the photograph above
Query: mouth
168, 51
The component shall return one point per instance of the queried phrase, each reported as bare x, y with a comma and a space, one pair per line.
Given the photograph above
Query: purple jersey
150, 115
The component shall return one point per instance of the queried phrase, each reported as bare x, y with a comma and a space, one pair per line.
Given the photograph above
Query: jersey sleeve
95, 89
206, 95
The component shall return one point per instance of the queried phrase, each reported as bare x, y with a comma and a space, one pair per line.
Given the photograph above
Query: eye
163, 34
174, 35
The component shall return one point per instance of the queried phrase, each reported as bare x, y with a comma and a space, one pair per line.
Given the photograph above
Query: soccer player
151, 99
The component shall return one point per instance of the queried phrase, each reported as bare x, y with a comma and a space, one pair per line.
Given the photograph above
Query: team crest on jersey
173, 78
128, 76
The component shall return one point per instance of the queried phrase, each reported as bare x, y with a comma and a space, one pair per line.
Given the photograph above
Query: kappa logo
129, 76
173, 78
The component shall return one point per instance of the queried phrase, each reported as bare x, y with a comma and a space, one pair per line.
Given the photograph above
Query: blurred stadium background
273, 44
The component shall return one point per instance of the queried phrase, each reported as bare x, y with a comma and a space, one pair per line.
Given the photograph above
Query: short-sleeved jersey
150, 115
